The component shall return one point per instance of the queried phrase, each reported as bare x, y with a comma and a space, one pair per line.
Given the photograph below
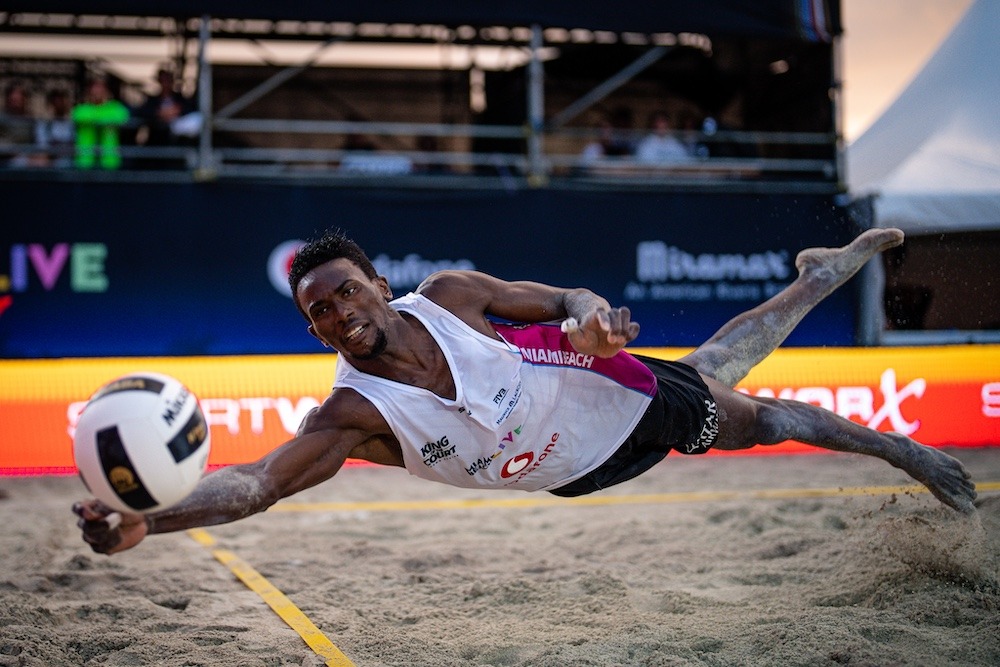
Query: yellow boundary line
275, 599
639, 499
323, 647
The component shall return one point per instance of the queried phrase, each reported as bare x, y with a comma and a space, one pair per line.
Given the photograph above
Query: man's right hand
603, 332
106, 530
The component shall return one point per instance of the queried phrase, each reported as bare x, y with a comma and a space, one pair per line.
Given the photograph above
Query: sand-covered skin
845, 580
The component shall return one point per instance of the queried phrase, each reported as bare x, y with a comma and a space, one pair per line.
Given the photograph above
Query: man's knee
707, 359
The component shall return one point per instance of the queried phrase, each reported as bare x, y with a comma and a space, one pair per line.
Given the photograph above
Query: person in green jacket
97, 121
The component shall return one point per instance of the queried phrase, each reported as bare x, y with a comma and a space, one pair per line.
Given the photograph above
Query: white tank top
529, 412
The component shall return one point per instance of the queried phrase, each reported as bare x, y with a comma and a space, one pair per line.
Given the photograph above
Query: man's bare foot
748, 338
945, 476
836, 265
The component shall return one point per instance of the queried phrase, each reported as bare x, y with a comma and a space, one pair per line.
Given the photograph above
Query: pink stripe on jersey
547, 345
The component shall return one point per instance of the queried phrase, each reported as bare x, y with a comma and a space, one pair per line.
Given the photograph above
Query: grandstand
463, 148
516, 91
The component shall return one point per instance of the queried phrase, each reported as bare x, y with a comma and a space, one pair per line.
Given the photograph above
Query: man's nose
343, 311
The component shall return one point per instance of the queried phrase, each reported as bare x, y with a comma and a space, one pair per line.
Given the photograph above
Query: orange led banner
941, 396
252, 404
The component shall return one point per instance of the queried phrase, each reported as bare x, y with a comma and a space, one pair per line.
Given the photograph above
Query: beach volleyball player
434, 383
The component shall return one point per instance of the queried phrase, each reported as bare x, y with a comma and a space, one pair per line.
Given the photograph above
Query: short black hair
332, 244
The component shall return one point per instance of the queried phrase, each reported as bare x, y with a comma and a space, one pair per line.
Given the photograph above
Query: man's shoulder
344, 408
450, 279
452, 288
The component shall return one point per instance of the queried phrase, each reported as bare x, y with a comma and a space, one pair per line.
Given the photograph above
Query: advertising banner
947, 396
140, 269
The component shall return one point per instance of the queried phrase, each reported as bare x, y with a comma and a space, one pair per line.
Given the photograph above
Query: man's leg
745, 421
748, 338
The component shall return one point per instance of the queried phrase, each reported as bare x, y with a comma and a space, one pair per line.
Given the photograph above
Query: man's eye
350, 290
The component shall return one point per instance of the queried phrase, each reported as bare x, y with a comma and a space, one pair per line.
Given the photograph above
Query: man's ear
315, 335
383, 284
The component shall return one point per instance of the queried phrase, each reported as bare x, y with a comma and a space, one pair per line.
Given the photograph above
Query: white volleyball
141, 443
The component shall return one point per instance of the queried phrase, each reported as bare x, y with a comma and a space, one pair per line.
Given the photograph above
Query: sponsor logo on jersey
507, 404
435, 452
537, 355
522, 465
484, 462
517, 464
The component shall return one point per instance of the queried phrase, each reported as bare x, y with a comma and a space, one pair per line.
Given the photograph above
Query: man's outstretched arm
593, 325
317, 452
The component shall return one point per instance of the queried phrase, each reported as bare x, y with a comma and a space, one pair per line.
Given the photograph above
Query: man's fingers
92, 510
616, 323
604, 320
102, 535
87, 511
621, 325
100, 526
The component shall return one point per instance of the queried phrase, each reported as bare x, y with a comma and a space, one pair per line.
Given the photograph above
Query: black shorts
682, 417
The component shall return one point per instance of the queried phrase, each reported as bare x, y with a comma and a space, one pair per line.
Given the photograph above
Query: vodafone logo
516, 464
524, 464
278, 264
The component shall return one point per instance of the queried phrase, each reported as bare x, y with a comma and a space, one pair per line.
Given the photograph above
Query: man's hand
603, 333
108, 531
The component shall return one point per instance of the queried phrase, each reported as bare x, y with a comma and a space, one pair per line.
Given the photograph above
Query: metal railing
763, 157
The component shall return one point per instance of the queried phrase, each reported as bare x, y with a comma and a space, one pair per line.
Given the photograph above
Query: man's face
166, 81
347, 310
98, 92
16, 102
60, 105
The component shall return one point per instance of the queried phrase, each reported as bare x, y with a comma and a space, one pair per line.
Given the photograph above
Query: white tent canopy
933, 158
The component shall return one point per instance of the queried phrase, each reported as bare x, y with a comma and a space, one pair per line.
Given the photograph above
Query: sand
850, 579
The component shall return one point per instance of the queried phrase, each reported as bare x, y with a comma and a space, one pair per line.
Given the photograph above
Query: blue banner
98, 269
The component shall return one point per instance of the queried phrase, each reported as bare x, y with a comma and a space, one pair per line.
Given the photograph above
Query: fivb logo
402, 274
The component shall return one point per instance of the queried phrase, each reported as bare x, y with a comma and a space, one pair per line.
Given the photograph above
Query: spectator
15, 126
355, 142
97, 120
427, 163
660, 146
159, 114
56, 134
615, 139
728, 120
